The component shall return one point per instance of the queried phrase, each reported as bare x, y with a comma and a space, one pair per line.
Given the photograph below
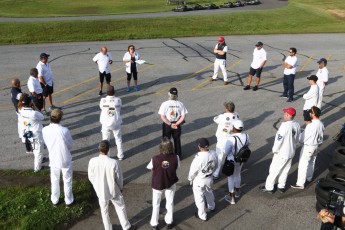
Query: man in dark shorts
259, 60
103, 60
35, 89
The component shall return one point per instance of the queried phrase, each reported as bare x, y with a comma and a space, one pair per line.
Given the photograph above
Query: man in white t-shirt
259, 60
103, 60
173, 112
290, 65
322, 75
220, 51
310, 97
35, 89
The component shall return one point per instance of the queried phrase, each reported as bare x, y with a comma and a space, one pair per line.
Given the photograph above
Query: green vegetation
300, 16
29, 207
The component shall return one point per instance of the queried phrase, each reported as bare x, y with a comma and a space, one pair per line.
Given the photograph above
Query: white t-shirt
225, 124
313, 133
34, 85
322, 77
232, 146
103, 62
311, 97
111, 109
172, 110
31, 120
293, 62
259, 56
45, 71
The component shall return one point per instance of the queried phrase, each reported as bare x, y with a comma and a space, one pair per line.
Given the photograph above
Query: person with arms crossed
283, 151
173, 112
164, 179
105, 175
258, 63
224, 129
290, 65
311, 138
59, 143
103, 59
200, 177
322, 81
220, 51
35, 89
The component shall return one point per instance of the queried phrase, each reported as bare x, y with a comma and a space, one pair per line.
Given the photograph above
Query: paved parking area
185, 63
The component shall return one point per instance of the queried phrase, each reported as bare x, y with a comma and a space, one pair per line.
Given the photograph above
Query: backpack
243, 154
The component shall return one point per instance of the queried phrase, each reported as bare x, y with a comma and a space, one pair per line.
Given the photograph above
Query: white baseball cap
238, 124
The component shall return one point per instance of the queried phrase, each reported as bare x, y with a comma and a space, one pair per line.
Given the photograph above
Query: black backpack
244, 153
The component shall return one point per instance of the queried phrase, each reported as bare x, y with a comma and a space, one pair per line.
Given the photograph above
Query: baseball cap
173, 91
291, 111
324, 60
238, 124
221, 39
259, 44
312, 77
44, 55
203, 143
56, 113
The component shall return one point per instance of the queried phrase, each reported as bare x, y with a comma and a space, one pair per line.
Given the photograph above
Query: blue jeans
288, 86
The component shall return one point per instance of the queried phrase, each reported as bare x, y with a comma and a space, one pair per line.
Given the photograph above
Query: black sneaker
281, 190
295, 186
255, 88
263, 189
170, 226
100, 93
247, 87
69, 205
153, 227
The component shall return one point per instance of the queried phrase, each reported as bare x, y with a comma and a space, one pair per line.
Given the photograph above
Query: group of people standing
105, 173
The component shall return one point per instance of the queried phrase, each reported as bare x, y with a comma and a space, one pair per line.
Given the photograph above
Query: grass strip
29, 207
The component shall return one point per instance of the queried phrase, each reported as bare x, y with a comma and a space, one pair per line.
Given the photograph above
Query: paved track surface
185, 63
266, 5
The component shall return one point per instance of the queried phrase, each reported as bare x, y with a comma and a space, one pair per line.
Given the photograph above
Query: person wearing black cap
32, 125
164, 179
311, 138
173, 112
259, 60
322, 81
111, 119
220, 51
59, 143
105, 175
200, 176
45, 75
290, 65
311, 97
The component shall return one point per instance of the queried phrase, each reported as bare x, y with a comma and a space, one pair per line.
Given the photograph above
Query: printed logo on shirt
279, 137
111, 112
165, 164
209, 167
173, 113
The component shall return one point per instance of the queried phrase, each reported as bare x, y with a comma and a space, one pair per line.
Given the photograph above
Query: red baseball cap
221, 39
291, 111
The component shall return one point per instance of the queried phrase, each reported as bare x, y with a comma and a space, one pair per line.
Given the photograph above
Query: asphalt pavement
185, 63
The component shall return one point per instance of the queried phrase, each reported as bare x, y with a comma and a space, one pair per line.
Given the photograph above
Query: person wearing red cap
259, 60
283, 151
220, 51
322, 81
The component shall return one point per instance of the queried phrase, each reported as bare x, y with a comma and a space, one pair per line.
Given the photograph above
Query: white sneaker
229, 199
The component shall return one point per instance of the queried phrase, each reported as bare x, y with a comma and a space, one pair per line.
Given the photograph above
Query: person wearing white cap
322, 81
233, 145
105, 175
283, 151
220, 51
259, 60
200, 176
311, 97
59, 143
32, 128
224, 129
311, 138
111, 119
173, 112
45, 75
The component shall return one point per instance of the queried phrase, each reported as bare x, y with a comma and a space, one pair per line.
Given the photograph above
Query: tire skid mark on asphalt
200, 55
183, 79
83, 82
184, 57
65, 102
207, 80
